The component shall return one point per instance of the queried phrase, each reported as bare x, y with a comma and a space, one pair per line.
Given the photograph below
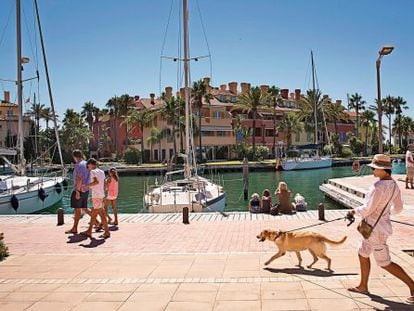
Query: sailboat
20, 193
315, 161
196, 193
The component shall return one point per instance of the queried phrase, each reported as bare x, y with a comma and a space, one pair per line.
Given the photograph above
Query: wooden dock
350, 191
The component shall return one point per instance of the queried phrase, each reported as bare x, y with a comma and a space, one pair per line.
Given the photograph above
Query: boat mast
22, 162
315, 104
52, 105
187, 169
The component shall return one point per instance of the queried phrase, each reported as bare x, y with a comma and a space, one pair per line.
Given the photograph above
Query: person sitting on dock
409, 165
300, 203
284, 194
384, 198
254, 203
266, 202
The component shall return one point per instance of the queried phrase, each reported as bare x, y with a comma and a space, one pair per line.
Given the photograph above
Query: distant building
9, 119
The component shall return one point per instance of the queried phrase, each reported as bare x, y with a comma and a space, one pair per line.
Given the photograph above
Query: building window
217, 115
222, 98
258, 131
221, 133
233, 99
269, 132
207, 133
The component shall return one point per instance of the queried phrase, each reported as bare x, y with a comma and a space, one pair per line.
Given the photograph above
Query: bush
262, 152
132, 156
292, 153
357, 146
4, 251
329, 149
346, 152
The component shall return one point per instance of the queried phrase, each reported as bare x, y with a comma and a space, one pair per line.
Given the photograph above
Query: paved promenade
154, 262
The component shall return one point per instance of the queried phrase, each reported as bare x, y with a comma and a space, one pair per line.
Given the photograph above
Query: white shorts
111, 198
376, 245
410, 172
97, 203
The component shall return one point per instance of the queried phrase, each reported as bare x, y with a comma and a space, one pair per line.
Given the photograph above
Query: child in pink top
112, 187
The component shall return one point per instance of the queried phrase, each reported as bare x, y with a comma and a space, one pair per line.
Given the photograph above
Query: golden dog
297, 242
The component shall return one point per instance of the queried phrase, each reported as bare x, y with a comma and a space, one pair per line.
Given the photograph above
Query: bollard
321, 211
185, 216
60, 217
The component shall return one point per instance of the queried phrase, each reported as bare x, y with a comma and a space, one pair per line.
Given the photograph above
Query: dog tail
334, 242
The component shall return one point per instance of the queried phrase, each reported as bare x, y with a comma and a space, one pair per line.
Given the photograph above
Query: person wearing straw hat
382, 199
409, 166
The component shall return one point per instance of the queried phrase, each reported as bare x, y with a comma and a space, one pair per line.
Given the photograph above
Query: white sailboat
196, 193
305, 161
19, 193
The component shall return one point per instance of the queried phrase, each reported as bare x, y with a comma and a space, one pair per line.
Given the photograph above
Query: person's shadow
94, 243
76, 238
390, 305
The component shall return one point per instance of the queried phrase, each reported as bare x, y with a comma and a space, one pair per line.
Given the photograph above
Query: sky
100, 48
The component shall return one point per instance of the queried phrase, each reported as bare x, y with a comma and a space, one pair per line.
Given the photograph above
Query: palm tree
47, 115
291, 125
88, 111
250, 103
388, 107
274, 100
399, 105
199, 95
75, 132
169, 112
155, 138
357, 103
336, 112
142, 118
367, 120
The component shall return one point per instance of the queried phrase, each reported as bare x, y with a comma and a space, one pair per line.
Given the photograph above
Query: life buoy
356, 167
14, 202
65, 184
58, 188
42, 194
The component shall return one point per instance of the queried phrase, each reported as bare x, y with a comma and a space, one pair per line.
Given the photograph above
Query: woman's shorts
410, 172
97, 203
82, 202
111, 198
376, 244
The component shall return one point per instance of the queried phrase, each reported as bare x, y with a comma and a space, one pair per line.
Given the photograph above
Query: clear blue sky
100, 48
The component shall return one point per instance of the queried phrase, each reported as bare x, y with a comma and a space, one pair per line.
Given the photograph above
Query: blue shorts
82, 202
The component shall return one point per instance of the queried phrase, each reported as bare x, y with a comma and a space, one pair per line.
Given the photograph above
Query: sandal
106, 236
358, 291
71, 232
86, 233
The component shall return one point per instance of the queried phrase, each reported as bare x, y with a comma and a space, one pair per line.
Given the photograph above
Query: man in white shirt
97, 185
409, 165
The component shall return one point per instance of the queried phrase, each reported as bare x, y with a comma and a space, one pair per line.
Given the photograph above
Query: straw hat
381, 161
410, 147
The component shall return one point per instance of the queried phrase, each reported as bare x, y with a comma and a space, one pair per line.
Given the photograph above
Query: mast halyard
188, 154
315, 108
22, 161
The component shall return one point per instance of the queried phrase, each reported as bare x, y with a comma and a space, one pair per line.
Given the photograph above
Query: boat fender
42, 194
58, 188
356, 167
14, 202
65, 184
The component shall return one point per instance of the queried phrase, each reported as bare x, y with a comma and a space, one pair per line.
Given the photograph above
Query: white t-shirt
98, 191
408, 155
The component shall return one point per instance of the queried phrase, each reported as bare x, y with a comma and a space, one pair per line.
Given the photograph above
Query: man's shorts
410, 172
376, 244
97, 203
82, 202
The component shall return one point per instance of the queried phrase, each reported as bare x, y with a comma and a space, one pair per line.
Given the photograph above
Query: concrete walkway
215, 263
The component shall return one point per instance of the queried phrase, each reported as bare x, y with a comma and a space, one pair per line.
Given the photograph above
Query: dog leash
350, 218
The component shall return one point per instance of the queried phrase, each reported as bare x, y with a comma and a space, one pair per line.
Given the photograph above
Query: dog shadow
76, 238
94, 243
311, 272
113, 228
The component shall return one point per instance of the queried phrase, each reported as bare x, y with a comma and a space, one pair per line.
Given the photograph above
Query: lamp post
385, 50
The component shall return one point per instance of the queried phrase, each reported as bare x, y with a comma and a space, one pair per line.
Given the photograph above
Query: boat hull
290, 165
30, 201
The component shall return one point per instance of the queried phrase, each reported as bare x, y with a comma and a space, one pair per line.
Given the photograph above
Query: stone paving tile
189, 306
101, 306
14, 306
332, 304
239, 291
239, 305
24, 296
51, 306
108, 297
285, 304
116, 288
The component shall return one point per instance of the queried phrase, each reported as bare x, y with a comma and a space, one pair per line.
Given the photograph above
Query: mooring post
60, 217
186, 220
245, 179
321, 211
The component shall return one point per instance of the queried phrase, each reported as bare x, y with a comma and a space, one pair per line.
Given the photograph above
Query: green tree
169, 111
399, 105
356, 103
250, 102
389, 109
274, 100
336, 112
406, 126
75, 132
200, 95
291, 125
367, 121
141, 118
155, 138
88, 111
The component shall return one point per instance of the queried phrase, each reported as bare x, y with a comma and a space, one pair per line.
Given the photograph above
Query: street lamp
385, 50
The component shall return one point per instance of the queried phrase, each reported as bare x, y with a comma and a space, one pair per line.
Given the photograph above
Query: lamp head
386, 50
